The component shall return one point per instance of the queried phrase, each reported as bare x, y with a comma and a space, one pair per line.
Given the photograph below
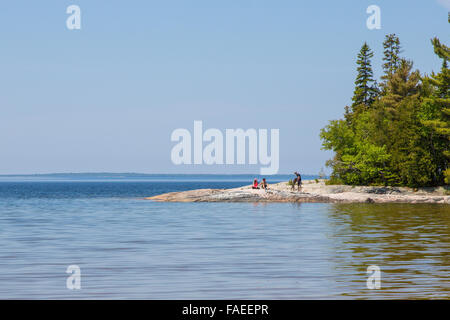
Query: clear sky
106, 98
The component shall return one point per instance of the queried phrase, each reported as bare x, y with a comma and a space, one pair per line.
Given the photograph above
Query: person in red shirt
255, 184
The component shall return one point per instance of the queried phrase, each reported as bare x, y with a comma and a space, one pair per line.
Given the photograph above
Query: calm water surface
127, 247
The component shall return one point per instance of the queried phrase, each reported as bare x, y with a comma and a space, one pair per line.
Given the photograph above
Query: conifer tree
365, 86
392, 50
400, 135
438, 117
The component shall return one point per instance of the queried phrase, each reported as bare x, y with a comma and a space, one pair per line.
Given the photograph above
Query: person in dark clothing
263, 184
297, 181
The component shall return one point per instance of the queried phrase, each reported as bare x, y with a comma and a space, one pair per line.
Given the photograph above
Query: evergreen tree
365, 86
441, 49
436, 115
392, 50
396, 127
400, 135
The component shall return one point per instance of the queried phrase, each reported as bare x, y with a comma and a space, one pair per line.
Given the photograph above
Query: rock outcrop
311, 191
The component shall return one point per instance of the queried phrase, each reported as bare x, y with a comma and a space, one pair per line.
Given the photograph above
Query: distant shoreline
312, 191
131, 174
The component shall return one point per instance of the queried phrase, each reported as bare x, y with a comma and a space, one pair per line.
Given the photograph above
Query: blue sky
108, 96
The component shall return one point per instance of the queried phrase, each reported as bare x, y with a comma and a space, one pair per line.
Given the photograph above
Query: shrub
333, 181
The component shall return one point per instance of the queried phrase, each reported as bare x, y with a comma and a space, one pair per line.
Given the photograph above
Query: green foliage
400, 136
435, 114
365, 87
334, 181
391, 57
357, 161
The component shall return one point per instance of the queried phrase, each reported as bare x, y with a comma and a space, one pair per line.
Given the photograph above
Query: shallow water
127, 247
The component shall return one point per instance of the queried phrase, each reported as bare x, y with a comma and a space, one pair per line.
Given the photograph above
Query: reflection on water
410, 243
130, 248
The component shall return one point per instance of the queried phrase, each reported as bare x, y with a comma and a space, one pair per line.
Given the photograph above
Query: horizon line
136, 173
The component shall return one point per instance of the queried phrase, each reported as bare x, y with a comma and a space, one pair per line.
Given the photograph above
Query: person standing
298, 180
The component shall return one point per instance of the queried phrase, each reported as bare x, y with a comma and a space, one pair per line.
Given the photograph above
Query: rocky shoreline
312, 191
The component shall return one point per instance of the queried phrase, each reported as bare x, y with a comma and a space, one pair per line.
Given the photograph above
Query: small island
391, 146
312, 191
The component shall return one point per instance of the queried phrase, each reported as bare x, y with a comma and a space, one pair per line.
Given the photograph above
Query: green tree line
396, 132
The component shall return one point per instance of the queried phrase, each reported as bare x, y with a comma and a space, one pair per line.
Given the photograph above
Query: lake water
127, 247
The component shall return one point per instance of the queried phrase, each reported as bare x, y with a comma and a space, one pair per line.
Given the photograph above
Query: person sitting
255, 184
263, 184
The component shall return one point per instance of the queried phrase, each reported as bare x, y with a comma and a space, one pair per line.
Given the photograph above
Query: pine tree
365, 90
392, 50
438, 107
398, 127
399, 135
